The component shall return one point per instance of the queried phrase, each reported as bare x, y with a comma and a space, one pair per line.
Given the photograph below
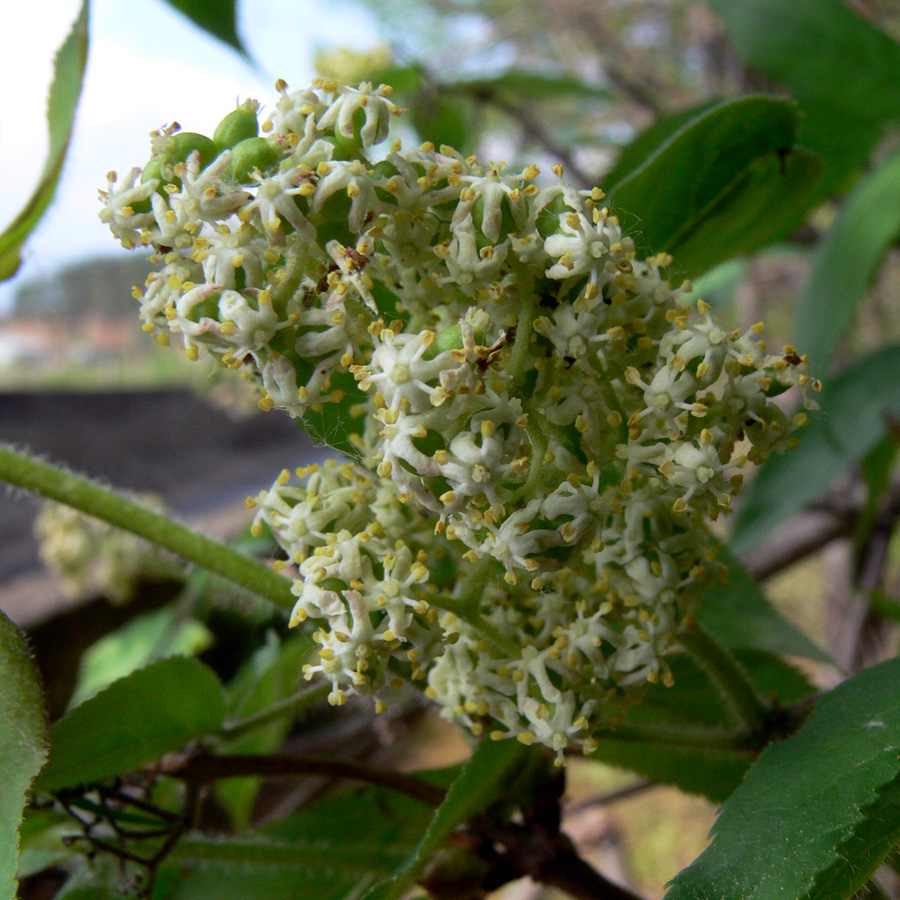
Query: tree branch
203, 767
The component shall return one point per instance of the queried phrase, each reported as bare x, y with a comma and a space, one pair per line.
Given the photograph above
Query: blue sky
147, 66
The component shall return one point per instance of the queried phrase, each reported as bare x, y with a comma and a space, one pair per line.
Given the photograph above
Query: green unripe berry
186, 142
178, 148
239, 125
250, 154
334, 584
153, 169
448, 339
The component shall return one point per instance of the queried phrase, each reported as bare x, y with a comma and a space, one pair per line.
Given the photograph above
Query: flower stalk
23, 471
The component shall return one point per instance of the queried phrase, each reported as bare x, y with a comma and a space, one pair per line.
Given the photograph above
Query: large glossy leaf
23, 744
479, 784
717, 172
218, 18
847, 260
842, 69
64, 93
133, 722
676, 735
740, 617
818, 812
850, 421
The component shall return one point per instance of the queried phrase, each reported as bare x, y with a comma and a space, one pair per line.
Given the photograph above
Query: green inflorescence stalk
48, 481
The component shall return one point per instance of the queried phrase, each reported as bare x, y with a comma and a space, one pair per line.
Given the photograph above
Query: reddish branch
205, 767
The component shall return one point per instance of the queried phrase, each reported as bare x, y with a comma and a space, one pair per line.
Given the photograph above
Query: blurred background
546, 81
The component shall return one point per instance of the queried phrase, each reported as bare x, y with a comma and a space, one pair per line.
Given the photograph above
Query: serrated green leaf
141, 641
521, 84
479, 783
848, 424
340, 845
41, 842
818, 811
23, 744
816, 48
442, 120
740, 617
646, 144
876, 468
218, 19
847, 260
133, 722
768, 202
699, 195
65, 91
675, 735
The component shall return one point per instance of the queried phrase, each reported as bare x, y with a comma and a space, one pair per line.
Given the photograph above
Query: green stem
474, 585
466, 605
507, 645
289, 706
726, 740
539, 443
736, 689
524, 327
53, 483
272, 854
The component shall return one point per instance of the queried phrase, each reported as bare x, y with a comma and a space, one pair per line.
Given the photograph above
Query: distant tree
100, 285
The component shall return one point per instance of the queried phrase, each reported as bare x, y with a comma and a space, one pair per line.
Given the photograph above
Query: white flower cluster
94, 558
540, 431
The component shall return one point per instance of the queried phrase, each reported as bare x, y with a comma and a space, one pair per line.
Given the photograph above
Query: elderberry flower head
535, 430
92, 557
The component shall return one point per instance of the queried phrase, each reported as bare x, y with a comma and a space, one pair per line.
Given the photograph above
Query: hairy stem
466, 605
524, 325
208, 767
48, 481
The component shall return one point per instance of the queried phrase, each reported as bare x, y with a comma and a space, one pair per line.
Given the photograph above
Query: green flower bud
451, 339
154, 169
251, 154
162, 166
239, 125
186, 142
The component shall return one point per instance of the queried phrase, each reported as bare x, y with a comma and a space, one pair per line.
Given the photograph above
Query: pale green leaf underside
23, 744
64, 94
846, 261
